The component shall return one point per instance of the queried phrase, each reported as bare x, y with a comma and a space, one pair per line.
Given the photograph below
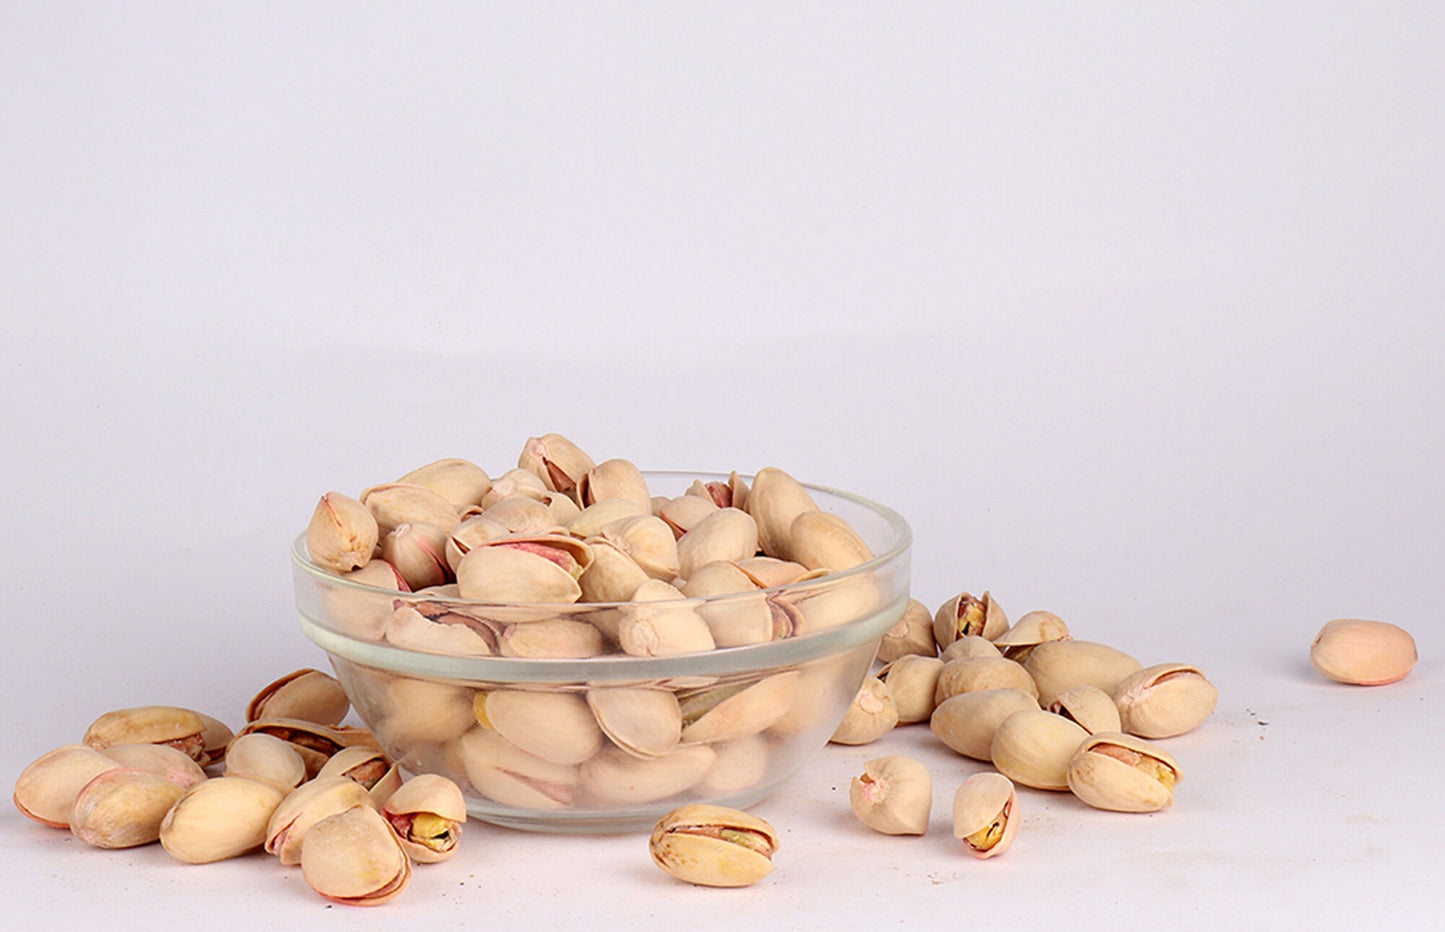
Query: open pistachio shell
893, 796
1164, 700
1034, 748
46, 789
643, 721
985, 814
305, 806
615, 478
714, 846
418, 550
774, 501
307, 694
122, 808
1123, 773
555, 726
459, 481
427, 813
648, 541
1031, 630
557, 461
965, 614
911, 634
179, 728
449, 633
221, 818
366, 766
683, 513
1092, 708
313, 741
966, 723
722, 713
342, 533
354, 858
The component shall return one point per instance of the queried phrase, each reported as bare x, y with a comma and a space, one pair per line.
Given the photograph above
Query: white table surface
1135, 314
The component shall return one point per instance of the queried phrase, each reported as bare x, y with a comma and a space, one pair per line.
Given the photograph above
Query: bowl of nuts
582, 646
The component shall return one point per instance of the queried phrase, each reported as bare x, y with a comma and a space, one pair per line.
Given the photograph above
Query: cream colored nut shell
460, 482
893, 796
986, 803
911, 634
714, 846
870, 716
221, 818
972, 674
304, 807
47, 788
775, 501
342, 533
1059, 665
307, 694
967, 614
353, 857
912, 682
1034, 748
1363, 653
966, 723
1105, 782
122, 808
1164, 700
968, 646
554, 726
427, 812
159, 759
266, 758
151, 724
1090, 706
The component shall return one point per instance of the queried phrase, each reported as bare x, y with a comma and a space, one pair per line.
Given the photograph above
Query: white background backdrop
1135, 312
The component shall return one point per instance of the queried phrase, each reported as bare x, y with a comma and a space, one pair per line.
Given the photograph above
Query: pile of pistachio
560, 528
1046, 710
292, 774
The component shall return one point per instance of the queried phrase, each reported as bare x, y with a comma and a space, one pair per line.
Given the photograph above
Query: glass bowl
611, 743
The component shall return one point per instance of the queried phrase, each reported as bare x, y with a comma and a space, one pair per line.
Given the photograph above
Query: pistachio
313, 741
396, 503
774, 501
985, 814
122, 808
965, 614
303, 807
683, 513
366, 766
159, 759
722, 713
342, 533
591, 520
307, 694
46, 789
648, 541
179, 728
662, 623
414, 711
1089, 706
821, 540
418, 551
1059, 665
1363, 653
459, 481
870, 716
517, 573
221, 818
966, 723
552, 638
726, 534
614, 478
515, 481
1034, 748
555, 726
972, 674
714, 846
613, 575
730, 494
557, 461
216, 736
893, 796
1164, 700
517, 514
427, 813
501, 772
615, 777
911, 634
450, 633
362, 612
266, 758
770, 572
1031, 630
354, 858
740, 763
969, 646
643, 721
742, 617
912, 681
1123, 773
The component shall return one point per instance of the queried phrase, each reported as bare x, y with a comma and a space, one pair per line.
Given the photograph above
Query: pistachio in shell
122, 808
427, 813
47, 788
893, 795
714, 846
224, 817
1164, 700
985, 814
354, 858
307, 694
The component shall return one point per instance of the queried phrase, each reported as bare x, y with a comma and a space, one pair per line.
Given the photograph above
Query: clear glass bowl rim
623, 667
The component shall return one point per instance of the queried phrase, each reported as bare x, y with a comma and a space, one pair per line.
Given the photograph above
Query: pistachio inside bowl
712, 683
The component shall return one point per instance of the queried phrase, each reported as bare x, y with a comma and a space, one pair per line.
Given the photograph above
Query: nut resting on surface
1164, 700
985, 814
1363, 653
1123, 773
870, 716
353, 857
893, 796
714, 846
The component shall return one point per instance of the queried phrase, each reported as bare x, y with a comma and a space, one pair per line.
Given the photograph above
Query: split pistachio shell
471, 533
870, 715
509, 574
354, 858
615, 478
557, 461
266, 758
969, 646
965, 614
515, 481
46, 790
615, 777
912, 681
1123, 773
366, 766
459, 481
215, 738
661, 623
1092, 708
775, 501
985, 814
714, 846
643, 721
726, 534
683, 513
451, 633
648, 541
159, 759
306, 805
179, 728
342, 534
821, 540
397, 503
221, 818
972, 674
893, 796
122, 808
307, 694
1031, 630
911, 634
555, 726
770, 572
551, 638
722, 713
505, 774
418, 550
313, 741
591, 520
613, 575
517, 514
1164, 700
739, 619
1059, 665
740, 764
1363, 653
427, 813
730, 494
1034, 748
966, 723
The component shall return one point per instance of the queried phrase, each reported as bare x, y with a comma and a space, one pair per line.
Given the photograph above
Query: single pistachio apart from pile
1122, 773
893, 796
985, 814
714, 846
1363, 653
